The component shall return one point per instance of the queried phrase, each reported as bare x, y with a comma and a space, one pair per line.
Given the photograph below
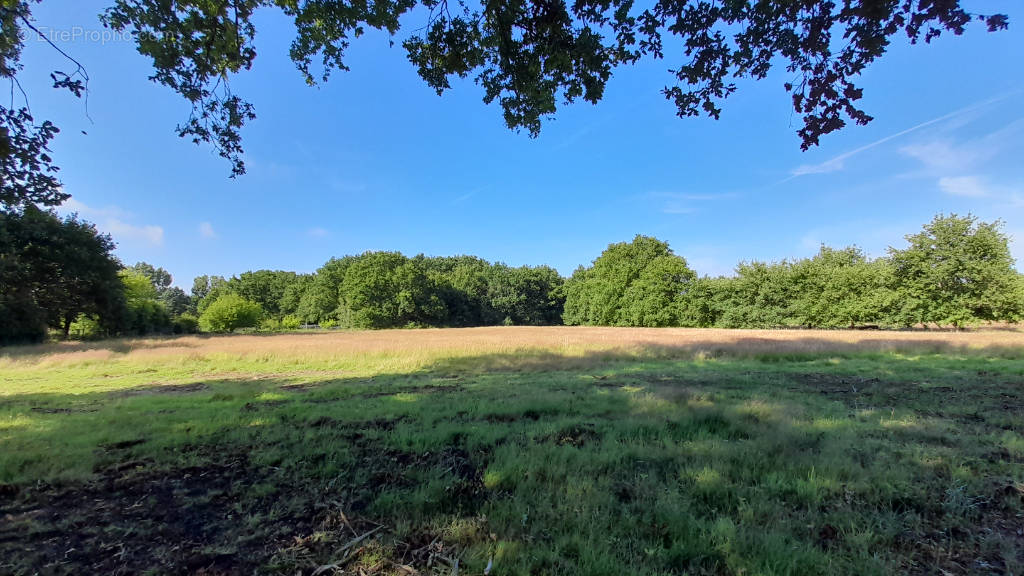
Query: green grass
624, 463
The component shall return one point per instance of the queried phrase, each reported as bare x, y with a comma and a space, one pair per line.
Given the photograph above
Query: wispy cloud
464, 197
970, 186
206, 230
837, 163
116, 222
685, 202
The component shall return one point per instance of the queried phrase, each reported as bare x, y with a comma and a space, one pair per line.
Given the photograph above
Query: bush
230, 312
86, 328
291, 322
270, 325
329, 323
186, 324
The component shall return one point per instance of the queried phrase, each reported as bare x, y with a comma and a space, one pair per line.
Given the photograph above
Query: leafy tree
22, 319
526, 295
386, 289
760, 296
206, 289
62, 264
528, 55
175, 301
956, 271
292, 295
841, 288
463, 283
264, 287
230, 312
144, 312
640, 283
320, 300
160, 279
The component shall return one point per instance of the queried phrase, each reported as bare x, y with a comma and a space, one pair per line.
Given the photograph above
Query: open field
537, 450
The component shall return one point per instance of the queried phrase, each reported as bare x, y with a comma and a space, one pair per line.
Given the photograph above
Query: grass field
531, 450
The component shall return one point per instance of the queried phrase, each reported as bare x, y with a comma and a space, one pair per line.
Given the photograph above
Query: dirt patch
376, 424
122, 445
157, 388
134, 519
265, 405
577, 436
48, 410
426, 389
181, 521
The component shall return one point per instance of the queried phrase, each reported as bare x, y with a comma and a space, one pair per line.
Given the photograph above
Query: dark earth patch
133, 519
157, 388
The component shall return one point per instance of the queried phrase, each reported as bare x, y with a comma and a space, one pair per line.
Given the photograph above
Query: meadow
516, 450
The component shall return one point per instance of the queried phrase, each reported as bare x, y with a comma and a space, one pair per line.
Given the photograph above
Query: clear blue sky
374, 160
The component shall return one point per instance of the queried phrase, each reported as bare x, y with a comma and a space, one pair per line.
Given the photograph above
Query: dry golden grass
564, 341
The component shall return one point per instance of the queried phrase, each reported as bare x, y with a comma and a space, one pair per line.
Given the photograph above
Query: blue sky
374, 160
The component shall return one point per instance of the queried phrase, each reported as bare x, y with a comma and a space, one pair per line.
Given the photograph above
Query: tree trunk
67, 326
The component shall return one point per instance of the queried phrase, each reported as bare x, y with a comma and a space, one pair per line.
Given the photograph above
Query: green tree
230, 312
22, 319
66, 266
841, 288
264, 287
206, 290
144, 311
528, 56
175, 301
640, 283
526, 295
462, 283
160, 279
386, 289
957, 271
320, 300
292, 295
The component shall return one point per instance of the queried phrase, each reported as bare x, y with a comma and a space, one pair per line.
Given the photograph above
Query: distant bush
86, 328
186, 324
291, 323
230, 312
329, 323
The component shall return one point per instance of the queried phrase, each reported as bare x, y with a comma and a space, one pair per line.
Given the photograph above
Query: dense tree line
957, 271
388, 290
60, 275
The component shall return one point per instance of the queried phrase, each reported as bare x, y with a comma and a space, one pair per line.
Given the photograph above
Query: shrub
291, 322
229, 312
329, 323
186, 324
86, 328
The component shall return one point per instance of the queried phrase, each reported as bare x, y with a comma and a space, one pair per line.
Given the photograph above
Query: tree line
59, 277
955, 272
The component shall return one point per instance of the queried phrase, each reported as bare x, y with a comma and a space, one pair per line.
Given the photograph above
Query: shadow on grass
602, 463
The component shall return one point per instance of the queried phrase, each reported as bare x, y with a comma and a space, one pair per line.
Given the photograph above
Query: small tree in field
230, 312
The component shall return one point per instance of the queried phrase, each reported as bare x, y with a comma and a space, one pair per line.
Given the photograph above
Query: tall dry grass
512, 341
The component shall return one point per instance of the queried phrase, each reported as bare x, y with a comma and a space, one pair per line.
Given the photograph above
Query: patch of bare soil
960, 549
157, 388
133, 518
577, 435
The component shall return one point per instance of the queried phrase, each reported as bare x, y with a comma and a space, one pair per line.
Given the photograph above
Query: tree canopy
640, 283
529, 56
51, 271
